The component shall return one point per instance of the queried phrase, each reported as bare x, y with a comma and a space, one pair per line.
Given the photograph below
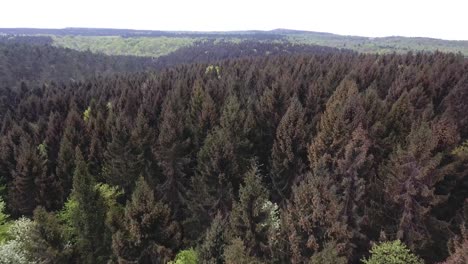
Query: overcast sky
447, 19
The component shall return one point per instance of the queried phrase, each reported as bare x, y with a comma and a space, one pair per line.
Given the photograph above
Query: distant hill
156, 43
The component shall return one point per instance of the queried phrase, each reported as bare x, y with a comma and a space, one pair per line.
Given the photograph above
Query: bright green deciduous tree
393, 252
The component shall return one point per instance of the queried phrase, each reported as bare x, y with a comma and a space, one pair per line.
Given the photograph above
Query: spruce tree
65, 166
202, 114
88, 219
411, 175
23, 188
289, 153
312, 216
147, 234
121, 162
172, 152
142, 138
52, 140
49, 192
344, 112
254, 219
212, 248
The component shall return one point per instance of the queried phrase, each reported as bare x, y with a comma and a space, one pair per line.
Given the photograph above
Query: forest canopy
232, 153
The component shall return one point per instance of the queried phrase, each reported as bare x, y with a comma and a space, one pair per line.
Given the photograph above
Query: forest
155, 43
224, 152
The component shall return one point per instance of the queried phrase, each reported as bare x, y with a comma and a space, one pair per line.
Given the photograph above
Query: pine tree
148, 233
88, 219
289, 153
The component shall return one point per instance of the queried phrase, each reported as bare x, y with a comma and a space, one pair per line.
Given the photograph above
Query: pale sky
447, 19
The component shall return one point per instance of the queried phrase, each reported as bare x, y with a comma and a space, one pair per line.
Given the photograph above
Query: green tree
49, 192
393, 252
329, 254
17, 250
89, 216
237, 252
254, 219
212, 248
4, 222
65, 166
48, 244
187, 256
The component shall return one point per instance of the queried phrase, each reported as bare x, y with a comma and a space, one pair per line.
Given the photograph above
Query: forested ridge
34, 61
288, 158
156, 43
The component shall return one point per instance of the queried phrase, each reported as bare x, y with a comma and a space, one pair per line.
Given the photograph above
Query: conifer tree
65, 166
148, 234
52, 140
344, 112
48, 243
97, 130
172, 152
88, 219
398, 121
254, 219
313, 216
354, 170
289, 153
237, 252
142, 137
49, 192
221, 162
23, 188
214, 242
411, 175
121, 162
202, 114
268, 111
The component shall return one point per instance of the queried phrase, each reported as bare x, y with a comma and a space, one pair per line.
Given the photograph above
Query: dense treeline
274, 159
31, 40
211, 51
33, 60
